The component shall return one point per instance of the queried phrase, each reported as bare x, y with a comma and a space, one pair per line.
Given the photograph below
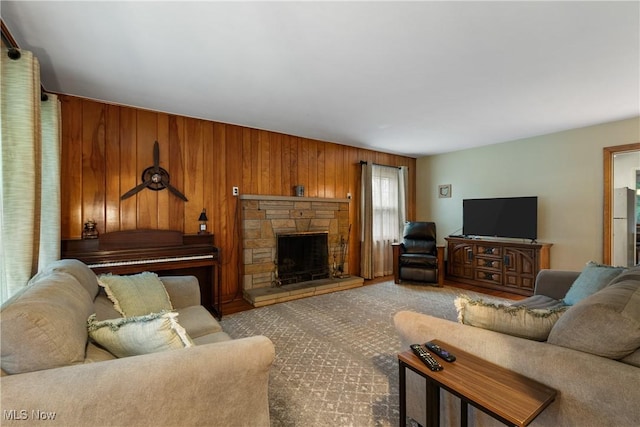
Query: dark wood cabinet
460, 256
496, 264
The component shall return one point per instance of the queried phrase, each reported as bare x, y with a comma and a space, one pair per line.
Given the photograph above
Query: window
387, 218
383, 215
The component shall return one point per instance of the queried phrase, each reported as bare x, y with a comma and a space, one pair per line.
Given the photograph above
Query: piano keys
164, 252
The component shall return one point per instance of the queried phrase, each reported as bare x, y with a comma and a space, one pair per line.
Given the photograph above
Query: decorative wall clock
154, 178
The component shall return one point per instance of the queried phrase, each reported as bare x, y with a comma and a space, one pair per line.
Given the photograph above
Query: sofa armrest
184, 291
554, 283
224, 383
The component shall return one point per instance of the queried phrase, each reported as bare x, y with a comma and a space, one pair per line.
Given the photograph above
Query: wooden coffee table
505, 395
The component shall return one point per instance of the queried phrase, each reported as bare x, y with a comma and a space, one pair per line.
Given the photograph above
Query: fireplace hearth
302, 257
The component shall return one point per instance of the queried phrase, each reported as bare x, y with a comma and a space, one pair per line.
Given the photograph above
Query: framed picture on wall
444, 191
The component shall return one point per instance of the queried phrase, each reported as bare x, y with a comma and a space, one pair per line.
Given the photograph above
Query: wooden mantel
291, 198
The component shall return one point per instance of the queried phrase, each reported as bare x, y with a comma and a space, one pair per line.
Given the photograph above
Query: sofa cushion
130, 336
592, 278
85, 276
136, 295
104, 308
212, 338
539, 301
197, 321
183, 291
631, 273
606, 323
44, 325
519, 321
632, 359
97, 354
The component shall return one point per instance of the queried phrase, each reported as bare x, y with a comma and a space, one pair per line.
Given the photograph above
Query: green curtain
30, 172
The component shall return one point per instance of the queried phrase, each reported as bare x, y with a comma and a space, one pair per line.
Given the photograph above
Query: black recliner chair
417, 257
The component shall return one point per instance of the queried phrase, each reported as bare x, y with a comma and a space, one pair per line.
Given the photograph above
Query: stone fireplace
265, 218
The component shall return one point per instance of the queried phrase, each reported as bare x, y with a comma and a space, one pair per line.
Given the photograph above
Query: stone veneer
263, 217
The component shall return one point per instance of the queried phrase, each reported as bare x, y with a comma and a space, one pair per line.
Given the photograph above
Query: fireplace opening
303, 257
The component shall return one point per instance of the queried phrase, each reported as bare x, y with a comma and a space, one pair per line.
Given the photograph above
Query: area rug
336, 354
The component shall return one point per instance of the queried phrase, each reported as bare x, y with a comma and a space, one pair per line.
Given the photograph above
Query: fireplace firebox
302, 257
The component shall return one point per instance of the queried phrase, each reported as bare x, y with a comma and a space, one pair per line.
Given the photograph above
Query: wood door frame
608, 154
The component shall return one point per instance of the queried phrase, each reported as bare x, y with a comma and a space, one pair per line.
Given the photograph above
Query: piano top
161, 251
140, 245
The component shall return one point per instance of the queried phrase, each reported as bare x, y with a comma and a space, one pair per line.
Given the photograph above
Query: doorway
621, 204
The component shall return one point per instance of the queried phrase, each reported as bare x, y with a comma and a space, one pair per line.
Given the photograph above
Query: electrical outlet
234, 191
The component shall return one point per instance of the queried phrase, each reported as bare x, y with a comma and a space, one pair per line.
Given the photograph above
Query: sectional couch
589, 352
53, 371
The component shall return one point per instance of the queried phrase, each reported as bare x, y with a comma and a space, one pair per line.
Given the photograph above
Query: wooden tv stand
496, 264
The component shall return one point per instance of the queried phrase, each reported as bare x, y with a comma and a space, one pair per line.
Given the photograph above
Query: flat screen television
515, 217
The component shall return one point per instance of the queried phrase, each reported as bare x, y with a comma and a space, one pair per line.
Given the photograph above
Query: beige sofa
592, 390
52, 371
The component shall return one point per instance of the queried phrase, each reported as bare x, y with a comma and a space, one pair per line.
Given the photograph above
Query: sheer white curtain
30, 172
383, 215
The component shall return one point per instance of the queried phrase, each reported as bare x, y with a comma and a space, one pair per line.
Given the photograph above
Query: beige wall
563, 169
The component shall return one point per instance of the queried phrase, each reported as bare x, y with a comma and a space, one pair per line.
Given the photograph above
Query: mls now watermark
23, 414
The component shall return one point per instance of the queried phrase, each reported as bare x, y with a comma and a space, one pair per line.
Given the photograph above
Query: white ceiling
413, 78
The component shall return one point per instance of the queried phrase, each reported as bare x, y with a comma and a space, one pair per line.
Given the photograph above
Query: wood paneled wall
106, 147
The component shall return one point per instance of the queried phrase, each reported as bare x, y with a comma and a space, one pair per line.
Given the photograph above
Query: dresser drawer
488, 250
488, 276
488, 263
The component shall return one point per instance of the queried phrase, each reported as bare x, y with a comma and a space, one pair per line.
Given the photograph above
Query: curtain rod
7, 37
10, 42
364, 162
14, 53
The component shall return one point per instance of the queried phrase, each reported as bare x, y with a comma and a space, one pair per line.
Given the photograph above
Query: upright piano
164, 252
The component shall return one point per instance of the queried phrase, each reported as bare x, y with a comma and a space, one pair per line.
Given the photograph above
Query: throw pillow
592, 278
520, 321
136, 295
130, 336
606, 323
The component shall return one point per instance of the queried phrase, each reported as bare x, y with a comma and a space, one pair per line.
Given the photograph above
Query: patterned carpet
336, 359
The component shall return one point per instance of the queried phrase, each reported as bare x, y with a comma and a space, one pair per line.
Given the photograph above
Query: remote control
426, 358
440, 351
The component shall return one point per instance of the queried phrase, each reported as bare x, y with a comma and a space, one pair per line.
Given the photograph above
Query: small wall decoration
154, 178
444, 191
